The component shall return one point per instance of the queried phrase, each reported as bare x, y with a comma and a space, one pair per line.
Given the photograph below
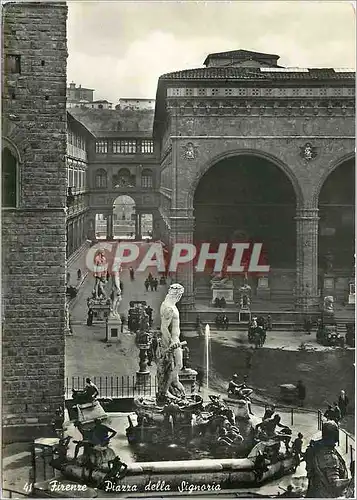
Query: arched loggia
336, 229
248, 198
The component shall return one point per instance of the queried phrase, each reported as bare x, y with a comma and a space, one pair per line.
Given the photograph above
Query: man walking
301, 392
343, 403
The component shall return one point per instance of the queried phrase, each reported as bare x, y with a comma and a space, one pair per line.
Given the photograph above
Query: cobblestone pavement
87, 353
276, 339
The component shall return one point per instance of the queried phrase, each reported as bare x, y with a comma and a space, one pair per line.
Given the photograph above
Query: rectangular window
146, 181
147, 146
124, 147
101, 147
12, 64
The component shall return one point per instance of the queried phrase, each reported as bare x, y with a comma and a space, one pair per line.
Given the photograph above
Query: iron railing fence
115, 386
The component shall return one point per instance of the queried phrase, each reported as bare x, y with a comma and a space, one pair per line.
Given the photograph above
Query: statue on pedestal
171, 360
100, 274
115, 296
328, 305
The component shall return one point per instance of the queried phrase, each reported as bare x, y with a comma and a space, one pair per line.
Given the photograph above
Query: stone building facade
33, 214
242, 107
122, 165
78, 142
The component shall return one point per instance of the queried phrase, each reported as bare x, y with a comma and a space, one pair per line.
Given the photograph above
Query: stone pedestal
244, 316
100, 310
329, 285
113, 329
223, 290
187, 378
263, 289
143, 374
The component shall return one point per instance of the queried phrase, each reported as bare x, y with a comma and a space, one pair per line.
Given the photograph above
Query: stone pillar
90, 226
306, 293
182, 227
110, 227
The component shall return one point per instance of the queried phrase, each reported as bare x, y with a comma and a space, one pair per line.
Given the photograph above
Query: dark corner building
240, 149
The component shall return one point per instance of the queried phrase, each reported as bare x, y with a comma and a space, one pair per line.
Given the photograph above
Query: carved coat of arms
189, 151
308, 152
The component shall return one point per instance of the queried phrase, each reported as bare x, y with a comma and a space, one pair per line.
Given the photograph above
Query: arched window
101, 178
9, 179
146, 178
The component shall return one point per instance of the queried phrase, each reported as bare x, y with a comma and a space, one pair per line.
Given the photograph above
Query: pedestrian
308, 324
151, 282
154, 345
149, 311
218, 321
91, 389
79, 275
198, 325
199, 378
301, 392
337, 413
297, 447
155, 281
269, 323
90, 317
329, 413
225, 322
123, 321
150, 355
147, 284
132, 274
343, 403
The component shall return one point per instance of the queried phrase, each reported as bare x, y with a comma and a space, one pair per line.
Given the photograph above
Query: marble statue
100, 274
328, 304
115, 297
171, 360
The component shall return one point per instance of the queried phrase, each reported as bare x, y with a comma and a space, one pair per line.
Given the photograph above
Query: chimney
72, 85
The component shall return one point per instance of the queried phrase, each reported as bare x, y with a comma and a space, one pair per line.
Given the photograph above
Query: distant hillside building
136, 104
100, 104
77, 96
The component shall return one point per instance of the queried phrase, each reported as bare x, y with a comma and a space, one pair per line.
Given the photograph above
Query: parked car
327, 335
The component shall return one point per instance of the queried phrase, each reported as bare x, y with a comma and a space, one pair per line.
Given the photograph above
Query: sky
120, 48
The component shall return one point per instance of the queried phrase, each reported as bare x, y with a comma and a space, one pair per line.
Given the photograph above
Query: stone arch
333, 165
11, 172
124, 216
246, 152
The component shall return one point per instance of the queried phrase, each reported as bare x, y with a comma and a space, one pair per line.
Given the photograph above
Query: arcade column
110, 234
138, 227
182, 228
307, 259
90, 226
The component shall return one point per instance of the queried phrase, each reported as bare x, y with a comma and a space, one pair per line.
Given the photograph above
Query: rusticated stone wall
34, 231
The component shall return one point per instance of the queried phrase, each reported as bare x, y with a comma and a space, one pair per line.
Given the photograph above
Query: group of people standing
151, 283
222, 322
338, 410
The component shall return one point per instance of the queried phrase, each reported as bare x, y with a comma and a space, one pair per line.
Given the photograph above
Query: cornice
262, 106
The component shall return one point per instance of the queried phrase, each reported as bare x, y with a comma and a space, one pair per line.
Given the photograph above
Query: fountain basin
204, 475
